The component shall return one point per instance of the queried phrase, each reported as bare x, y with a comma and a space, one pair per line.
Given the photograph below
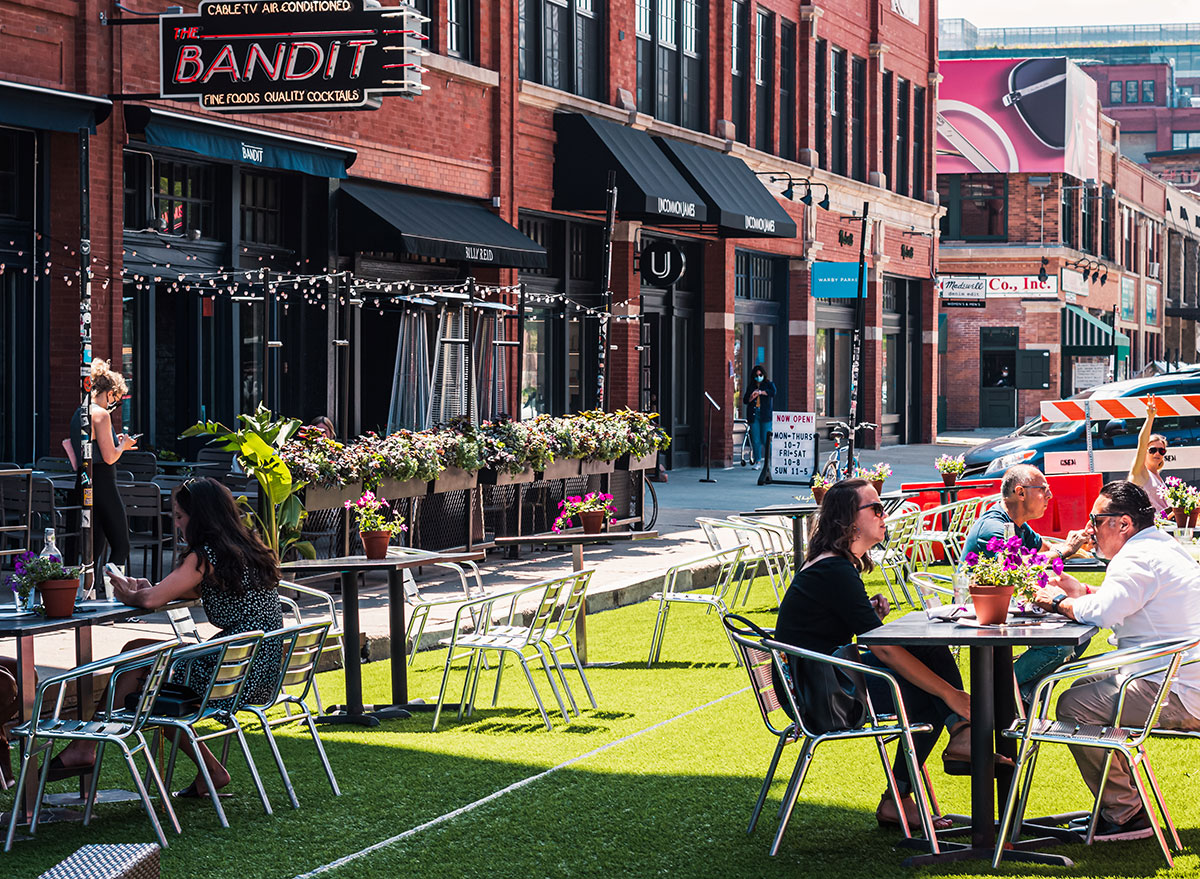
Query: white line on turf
516, 785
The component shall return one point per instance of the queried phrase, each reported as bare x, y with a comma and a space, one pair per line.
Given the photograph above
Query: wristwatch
1058, 600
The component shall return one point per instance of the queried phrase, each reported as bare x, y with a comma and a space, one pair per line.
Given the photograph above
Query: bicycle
833, 464
649, 504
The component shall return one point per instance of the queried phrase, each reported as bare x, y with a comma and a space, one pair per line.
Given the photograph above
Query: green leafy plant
951, 464
592, 502
373, 513
30, 571
258, 444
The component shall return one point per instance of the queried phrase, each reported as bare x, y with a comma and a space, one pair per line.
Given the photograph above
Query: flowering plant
819, 481
375, 514
878, 473
1180, 495
1012, 564
952, 464
592, 502
32, 570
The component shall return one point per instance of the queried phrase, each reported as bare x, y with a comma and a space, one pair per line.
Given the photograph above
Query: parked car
1029, 443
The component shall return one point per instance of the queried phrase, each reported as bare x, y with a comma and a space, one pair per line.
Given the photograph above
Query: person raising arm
1146, 470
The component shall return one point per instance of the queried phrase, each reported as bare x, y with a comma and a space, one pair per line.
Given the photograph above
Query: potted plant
48, 577
951, 467
377, 523
1184, 501
644, 439
876, 475
592, 509
1012, 571
510, 450
820, 485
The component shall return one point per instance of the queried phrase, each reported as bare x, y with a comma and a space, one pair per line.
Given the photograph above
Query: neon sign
290, 54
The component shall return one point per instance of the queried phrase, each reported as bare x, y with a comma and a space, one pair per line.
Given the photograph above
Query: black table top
576, 537
88, 613
915, 628
398, 559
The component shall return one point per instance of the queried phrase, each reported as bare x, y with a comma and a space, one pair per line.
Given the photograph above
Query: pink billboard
1003, 115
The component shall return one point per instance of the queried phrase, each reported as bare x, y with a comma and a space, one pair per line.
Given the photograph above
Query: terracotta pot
58, 597
1181, 517
949, 478
991, 603
819, 493
593, 521
375, 543
1192, 516
878, 483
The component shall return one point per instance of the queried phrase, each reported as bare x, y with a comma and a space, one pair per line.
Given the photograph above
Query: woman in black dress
236, 577
109, 525
827, 605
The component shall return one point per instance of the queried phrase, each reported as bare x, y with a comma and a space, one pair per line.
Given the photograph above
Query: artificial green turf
673, 800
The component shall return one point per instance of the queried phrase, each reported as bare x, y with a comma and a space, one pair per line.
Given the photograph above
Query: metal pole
1116, 349
520, 347
468, 355
856, 345
85, 356
610, 219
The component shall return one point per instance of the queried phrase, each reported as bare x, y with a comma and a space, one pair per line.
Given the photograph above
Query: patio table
993, 708
577, 540
348, 568
25, 627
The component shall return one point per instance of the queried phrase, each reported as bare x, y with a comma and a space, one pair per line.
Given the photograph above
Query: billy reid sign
290, 54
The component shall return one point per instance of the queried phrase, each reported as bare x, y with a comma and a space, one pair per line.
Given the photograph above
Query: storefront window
183, 198
976, 206
535, 368
250, 323
821, 372
8, 174
262, 210
574, 365
128, 362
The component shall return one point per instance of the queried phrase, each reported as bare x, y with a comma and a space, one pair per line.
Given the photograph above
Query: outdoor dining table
25, 627
348, 568
993, 708
577, 540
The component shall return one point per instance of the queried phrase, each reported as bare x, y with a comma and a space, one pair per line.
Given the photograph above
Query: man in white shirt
1151, 592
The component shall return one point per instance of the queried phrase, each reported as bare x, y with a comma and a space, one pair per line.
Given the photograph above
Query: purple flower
1042, 579
972, 558
995, 544
1057, 565
1013, 542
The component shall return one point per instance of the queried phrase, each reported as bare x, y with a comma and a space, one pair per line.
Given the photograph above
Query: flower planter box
332, 498
562, 468
594, 468
454, 479
503, 477
394, 489
645, 462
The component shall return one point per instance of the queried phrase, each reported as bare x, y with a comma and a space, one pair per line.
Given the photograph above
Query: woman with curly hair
236, 577
109, 525
827, 605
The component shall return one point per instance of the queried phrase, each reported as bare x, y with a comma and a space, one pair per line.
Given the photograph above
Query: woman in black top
236, 577
759, 399
827, 605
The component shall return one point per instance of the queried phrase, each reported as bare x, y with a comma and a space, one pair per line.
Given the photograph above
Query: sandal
940, 822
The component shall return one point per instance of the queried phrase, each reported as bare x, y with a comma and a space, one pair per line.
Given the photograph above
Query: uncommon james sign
290, 54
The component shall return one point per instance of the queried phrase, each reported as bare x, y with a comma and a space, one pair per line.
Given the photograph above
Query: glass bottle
50, 547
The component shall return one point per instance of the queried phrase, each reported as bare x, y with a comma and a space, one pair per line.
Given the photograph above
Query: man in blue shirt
1024, 496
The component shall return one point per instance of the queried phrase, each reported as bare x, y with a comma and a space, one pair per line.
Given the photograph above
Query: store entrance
671, 383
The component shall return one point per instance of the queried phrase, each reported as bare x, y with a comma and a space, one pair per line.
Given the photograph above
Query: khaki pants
1094, 700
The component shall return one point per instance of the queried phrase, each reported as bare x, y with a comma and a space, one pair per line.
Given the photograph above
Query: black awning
238, 143
737, 201
447, 229
31, 106
648, 186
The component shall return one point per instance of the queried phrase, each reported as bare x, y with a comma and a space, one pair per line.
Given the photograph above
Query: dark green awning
30, 106
238, 143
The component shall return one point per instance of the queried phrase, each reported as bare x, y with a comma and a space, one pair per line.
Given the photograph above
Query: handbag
828, 697
174, 700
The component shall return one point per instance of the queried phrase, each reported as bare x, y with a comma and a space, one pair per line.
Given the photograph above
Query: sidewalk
626, 573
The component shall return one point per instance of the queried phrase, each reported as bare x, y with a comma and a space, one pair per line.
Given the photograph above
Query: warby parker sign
289, 54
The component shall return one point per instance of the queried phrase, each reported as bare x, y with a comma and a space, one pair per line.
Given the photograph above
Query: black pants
921, 707
109, 525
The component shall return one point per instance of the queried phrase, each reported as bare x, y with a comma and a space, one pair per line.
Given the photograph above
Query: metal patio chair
767, 659
677, 581
325, 611
420, 606
120, 728
1132, 664
896, 556
561, 636
232, 656
302, 649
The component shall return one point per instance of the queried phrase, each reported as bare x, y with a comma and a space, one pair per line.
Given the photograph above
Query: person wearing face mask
759, 401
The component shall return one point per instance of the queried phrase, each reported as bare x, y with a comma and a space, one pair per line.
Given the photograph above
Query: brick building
214, 234
1056, 257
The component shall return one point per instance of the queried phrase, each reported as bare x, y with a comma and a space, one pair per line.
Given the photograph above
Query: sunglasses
1095, 518
1157, 450
876, 508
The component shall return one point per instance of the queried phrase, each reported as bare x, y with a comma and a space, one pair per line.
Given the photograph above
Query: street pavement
625, 572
